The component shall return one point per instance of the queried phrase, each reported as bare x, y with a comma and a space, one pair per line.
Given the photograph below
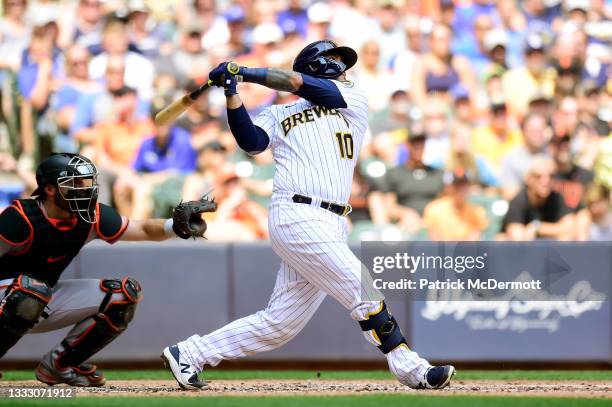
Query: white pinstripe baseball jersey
315, 148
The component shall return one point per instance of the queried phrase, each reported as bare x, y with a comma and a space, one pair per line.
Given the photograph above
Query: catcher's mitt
187, 217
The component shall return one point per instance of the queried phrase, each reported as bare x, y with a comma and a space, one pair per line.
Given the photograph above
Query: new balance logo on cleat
185, 374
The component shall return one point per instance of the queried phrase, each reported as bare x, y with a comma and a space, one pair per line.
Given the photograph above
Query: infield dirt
316, 387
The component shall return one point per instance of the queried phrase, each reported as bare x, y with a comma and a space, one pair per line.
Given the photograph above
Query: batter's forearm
233, 101
277, 79
287, 81
249, 137
316, 90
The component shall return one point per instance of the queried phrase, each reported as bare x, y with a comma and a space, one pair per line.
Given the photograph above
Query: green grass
390, 400
347, 375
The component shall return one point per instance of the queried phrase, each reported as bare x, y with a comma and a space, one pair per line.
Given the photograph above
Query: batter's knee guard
20, 309
381, 329
115, 313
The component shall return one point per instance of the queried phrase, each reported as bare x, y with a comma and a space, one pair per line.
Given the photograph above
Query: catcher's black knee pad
384, 328
20, 309
120, 312
115, 313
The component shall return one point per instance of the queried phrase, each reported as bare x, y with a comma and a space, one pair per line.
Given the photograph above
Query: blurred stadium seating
469, 76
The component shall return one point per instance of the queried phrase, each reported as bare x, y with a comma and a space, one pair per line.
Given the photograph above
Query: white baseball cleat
184, 373
437, 377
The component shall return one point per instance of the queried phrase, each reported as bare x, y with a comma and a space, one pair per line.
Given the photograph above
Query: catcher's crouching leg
20, 309
66, 363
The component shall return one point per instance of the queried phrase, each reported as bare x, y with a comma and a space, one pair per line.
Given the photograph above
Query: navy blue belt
341, 210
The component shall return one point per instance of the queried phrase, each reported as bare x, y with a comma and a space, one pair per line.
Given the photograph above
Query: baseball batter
315, 142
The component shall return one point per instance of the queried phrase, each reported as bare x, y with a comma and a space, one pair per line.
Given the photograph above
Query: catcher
40, 236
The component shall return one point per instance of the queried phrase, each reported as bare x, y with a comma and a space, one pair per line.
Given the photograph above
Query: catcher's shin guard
381, 328
20, 309
94, 333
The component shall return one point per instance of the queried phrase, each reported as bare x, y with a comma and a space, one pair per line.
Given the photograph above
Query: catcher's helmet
76, 179
313, 59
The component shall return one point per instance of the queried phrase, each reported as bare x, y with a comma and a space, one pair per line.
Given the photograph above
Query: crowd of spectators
488, 119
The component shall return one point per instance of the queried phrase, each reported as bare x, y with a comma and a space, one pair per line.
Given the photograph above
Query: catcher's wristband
168, 228
255, 75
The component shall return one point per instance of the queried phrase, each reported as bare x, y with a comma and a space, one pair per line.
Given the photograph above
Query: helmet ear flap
324, 67
317, 65
341, 65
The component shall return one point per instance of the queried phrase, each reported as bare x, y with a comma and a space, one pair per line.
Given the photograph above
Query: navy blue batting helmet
314, 59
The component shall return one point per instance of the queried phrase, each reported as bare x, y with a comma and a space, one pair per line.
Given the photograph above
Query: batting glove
230, 86
218, 74
222, 77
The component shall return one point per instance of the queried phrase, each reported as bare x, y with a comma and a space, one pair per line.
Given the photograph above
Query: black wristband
255, 75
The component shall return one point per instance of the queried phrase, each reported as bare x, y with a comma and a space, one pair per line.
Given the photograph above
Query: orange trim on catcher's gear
2, 307
76, 342
106, 290
123, 290
109, 322
34, 293
71, 223
28, 242
121, 232
43, 373
4, 239
57, 366
126, 302
102, 287
127, 294
85, 372
116, 236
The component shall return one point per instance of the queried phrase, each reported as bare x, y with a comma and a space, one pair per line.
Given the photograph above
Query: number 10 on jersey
345, 144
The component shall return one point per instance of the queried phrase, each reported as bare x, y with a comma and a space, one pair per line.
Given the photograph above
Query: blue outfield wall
196, 287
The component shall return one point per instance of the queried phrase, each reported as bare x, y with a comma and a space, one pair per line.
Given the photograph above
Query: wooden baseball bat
169, 113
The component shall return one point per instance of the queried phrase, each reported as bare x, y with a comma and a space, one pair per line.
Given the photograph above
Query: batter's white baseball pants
316, 261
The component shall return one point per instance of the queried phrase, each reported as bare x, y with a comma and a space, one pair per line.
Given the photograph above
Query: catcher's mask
76, 178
